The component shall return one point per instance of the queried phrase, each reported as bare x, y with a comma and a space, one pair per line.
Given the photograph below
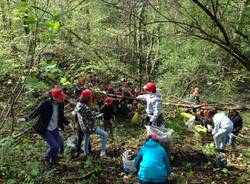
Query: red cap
58, 93
109, 100
80, 81
153, 136
86, 93
150, 86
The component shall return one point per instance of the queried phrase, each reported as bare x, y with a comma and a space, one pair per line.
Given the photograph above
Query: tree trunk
4, 17
140, 41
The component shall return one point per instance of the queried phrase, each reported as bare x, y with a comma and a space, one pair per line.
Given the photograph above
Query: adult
152, 161
51, 118
154, 105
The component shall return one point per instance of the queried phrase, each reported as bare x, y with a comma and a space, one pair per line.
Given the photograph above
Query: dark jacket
45, 110
108, 111
237, 121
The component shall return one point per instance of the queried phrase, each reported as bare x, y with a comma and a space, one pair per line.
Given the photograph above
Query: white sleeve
77, 108
142, 97
157, 111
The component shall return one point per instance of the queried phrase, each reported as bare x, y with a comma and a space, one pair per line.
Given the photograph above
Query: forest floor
192, 158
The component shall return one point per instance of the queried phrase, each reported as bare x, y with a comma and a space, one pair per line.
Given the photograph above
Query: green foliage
51, 70
248, 152
12, 161
66, 39
35, 168
34, 84
193, 66
209, 149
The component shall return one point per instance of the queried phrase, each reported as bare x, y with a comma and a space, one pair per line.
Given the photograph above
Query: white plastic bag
71, 141
209, 128
128, 163
190, 123
163, 134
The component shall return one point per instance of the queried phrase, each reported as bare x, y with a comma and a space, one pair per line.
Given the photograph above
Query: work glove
73, 113
21, 120
99, 115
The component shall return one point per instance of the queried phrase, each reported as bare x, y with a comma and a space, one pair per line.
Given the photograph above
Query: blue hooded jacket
153, 163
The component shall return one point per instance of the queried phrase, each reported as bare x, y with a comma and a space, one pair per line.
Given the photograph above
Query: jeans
100, 132
220, 138
61, 143
80, 137
203, 122
231, 138
53, 140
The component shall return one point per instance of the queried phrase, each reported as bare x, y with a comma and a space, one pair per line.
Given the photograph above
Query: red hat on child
153, 136
86, 93
150, 86
109, 100
58, 93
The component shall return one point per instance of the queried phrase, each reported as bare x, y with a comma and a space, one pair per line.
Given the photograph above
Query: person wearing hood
51, 118
152, 162
223, 126
154, 105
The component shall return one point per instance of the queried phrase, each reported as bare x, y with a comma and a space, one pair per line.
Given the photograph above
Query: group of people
152, 161
51, 121
225, 127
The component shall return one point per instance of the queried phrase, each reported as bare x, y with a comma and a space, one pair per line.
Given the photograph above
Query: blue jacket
153, 163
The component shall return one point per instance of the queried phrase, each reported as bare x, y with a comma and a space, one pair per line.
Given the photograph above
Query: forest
195, 53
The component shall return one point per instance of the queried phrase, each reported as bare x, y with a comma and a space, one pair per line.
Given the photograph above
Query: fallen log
224, 106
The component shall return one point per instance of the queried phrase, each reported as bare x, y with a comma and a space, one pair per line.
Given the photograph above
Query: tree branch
72, 9
214, 18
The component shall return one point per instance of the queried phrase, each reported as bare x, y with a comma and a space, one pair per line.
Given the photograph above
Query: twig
80, 177
23, 132
188, 85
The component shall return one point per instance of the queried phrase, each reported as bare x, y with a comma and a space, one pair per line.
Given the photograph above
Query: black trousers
146, 120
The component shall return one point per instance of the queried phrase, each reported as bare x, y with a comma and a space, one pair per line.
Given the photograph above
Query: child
223, 126
154, 105
196, 95
86, 123
235, 117
203, 117
108, 114
152, 162
51, 118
